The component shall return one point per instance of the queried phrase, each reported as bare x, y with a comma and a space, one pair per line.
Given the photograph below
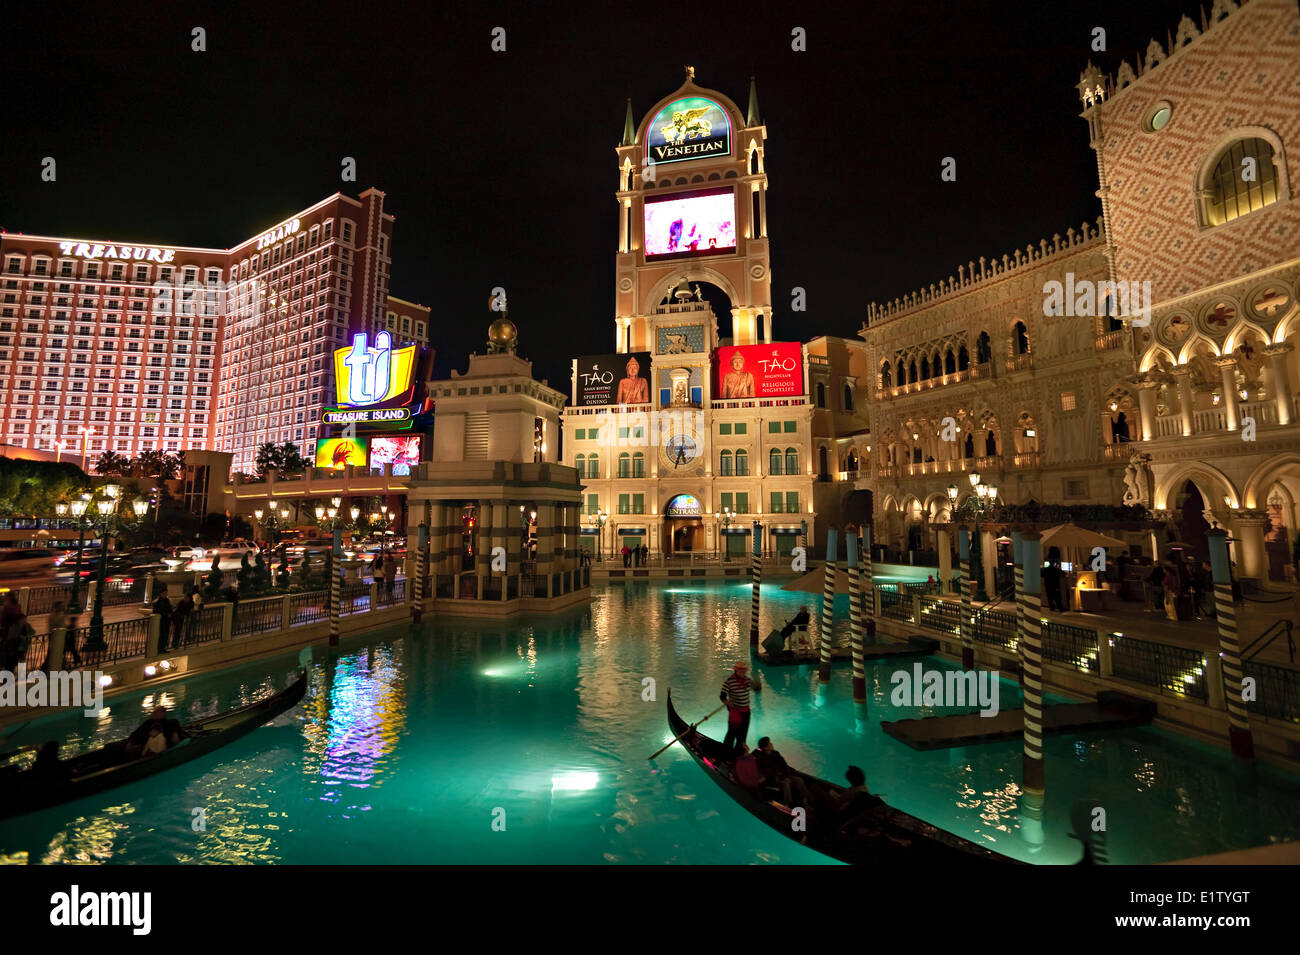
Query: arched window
753, 162
774, 461
851, 460
580, 464
911, 373
1020, 339
742, 463
990, 444
969, 449
936, 366
949, 363
822, 463
593, 466
724, 464
925, 368
963, 358
791, 461
848, 398
638, 465
901, 377
1242, 180
624, 465
983, 349
886, 379
821, 389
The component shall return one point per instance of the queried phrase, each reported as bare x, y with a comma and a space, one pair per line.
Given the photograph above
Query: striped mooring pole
851, 543
828, 608
1018, 563
967, 590
868, 594
1240, 739
1029, 612
335, 570
755, 581
421, 558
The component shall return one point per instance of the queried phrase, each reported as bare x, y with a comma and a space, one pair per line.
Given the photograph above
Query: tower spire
751, 116
629, 127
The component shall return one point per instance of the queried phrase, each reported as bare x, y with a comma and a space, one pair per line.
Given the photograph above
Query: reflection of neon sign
372, 375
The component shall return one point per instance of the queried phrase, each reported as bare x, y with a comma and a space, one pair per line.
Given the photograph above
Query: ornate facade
1172, 381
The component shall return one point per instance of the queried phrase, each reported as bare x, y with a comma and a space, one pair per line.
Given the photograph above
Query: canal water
527, 742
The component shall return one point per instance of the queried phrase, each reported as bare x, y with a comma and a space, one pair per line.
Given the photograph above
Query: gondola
106, 768
882, 834
789, 658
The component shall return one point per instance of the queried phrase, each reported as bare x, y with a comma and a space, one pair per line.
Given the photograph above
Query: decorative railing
1076, 646
203, 626
1176, 671
310, 607
257, 616
1277, 691
121, 640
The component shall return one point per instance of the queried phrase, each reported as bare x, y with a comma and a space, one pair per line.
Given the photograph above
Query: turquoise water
412, 743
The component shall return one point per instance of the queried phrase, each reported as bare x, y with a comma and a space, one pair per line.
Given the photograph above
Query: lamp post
728, 515
108, 512
984, 501
601, 518
77, 507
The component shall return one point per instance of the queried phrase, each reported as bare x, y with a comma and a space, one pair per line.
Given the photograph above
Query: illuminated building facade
1177, 388
685, 435
134, 347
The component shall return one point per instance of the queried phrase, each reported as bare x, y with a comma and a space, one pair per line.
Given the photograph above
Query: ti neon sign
279, 232
373, 375
93, 250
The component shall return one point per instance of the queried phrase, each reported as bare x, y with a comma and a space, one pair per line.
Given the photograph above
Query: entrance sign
684, 505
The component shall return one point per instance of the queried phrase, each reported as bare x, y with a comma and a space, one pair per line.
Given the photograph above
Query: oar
687, 730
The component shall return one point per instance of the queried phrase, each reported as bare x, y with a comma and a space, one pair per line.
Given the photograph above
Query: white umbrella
1074, 541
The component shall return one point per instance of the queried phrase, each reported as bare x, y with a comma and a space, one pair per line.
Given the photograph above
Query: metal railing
1076, 646
41, 600
1277, 695
1176, 671
354, 598
257, 616
202, 626
310, 607
122, 640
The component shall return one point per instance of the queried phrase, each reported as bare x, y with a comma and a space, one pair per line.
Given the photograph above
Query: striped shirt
737, 689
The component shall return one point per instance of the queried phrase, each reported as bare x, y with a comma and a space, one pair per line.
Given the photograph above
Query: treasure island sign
690, 128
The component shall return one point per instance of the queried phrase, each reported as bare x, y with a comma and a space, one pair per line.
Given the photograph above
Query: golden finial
690, 73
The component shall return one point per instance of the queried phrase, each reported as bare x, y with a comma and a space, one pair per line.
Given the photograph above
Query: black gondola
881, 834
102, 769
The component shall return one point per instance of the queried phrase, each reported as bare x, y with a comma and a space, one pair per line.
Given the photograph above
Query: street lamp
601, 518
108, 510
983, 501
728, 515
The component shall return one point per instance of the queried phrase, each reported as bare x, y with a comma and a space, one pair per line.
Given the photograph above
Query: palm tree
112, 463
149, 464
270, 457
292, 463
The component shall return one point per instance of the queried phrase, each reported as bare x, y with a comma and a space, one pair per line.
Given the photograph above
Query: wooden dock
916, 646
1112, 710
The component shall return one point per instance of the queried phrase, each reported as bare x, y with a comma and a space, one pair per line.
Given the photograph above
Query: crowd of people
635, 556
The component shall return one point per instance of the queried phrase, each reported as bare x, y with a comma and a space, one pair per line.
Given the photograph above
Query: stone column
549, 547
989, 552
1183, 377
1281, 380
1249, 527
943, 539
967, 626
484, 543
1147, 408
1228, 373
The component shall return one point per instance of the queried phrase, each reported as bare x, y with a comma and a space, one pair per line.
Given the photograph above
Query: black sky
500, 166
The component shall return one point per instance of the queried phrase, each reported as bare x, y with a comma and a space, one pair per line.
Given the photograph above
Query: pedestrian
180, 617
1207, 574
162, 607
390, 574
377, 567
1052, 575
627, 556
58, 621
645, 555
1171, 594
11, 620
735, 694
231, 593
1156, 583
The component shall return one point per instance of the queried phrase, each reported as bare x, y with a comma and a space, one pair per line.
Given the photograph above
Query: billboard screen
340, 452
401, 451
695, 223
758, 371
688, 128
613, 379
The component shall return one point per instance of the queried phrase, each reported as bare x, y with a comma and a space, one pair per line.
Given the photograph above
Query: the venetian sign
689, 128
279, 232
372, 375
97, 250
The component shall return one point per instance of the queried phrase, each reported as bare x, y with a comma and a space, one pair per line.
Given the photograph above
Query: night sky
500, 166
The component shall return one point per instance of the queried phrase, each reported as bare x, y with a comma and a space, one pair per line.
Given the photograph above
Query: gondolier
735, 693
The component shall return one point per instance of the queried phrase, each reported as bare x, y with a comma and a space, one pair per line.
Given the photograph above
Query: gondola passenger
154, 735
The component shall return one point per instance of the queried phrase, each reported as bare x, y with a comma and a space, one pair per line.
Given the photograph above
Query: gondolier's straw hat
741, 665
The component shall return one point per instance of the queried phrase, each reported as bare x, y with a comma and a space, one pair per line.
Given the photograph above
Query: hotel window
791, 461
329, 228
624, 505
593, 503
774, 461
776, 502
638, 466
725, 465
792, 502
742, 464
742, 503
741, 428
1242, 180
724, 429
580, 464
1067, 401
593, 466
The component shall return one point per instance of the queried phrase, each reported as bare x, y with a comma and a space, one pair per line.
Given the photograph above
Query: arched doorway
684, 524
1189, 508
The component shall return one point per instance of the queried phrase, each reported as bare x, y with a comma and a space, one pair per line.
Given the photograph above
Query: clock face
681, 449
